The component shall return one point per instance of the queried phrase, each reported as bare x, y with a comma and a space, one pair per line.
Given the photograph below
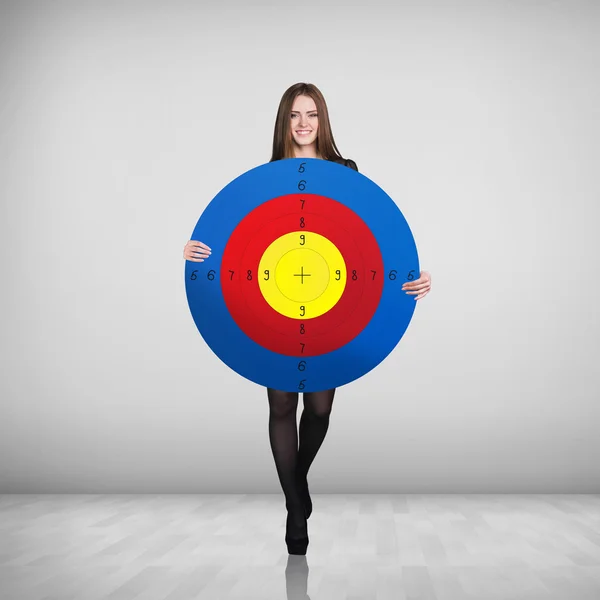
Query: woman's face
304, 121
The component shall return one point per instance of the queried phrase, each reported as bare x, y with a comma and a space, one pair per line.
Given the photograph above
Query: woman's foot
302, 485
296, 532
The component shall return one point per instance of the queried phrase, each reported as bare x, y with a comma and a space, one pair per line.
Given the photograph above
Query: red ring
258, 319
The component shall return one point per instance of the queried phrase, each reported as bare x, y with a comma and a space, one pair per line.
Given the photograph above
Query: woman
302, 130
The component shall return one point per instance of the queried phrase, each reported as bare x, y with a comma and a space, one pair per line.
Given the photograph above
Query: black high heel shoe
296, 533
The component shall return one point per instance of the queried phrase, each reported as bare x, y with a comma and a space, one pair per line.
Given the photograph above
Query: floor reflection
296, 578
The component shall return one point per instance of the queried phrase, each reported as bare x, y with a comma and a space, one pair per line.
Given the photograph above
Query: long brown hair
283, 145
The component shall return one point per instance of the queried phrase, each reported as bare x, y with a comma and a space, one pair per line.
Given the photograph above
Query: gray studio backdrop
119, 122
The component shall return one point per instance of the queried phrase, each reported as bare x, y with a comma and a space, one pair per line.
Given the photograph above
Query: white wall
119, 122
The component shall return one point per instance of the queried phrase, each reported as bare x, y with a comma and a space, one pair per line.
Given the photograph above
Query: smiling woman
302, 130
302, 127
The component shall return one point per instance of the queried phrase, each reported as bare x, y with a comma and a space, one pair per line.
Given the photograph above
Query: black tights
294, 451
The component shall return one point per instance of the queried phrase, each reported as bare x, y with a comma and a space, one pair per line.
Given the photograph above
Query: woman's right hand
196, 251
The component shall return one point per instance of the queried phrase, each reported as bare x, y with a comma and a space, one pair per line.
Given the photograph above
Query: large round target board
303, 287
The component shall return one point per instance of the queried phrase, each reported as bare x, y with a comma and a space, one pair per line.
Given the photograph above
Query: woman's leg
314, 424
283, 436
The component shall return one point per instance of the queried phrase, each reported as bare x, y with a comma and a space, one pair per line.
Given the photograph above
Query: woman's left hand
419, 287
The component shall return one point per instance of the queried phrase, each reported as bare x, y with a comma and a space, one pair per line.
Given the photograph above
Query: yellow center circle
302, 275
310, 280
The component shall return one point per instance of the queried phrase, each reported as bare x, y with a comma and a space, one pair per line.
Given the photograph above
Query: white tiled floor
362, 547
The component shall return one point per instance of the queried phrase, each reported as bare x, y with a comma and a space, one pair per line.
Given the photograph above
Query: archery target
303, 288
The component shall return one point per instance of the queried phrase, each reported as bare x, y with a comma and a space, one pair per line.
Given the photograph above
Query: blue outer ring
365, 351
